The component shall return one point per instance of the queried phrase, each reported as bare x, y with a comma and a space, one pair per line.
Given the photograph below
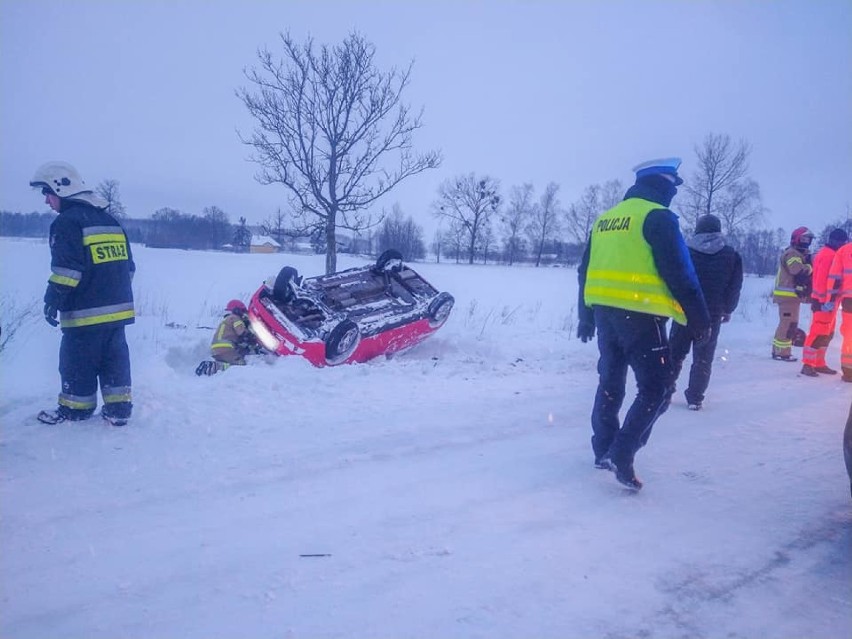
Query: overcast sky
571, 92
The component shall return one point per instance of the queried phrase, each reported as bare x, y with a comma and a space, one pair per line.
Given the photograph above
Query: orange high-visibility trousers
819, 337
846, 333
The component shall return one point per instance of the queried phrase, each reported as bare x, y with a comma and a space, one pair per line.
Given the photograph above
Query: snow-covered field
447, 492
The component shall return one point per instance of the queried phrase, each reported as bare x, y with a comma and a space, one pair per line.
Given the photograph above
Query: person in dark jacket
636, 273
720, 273
89, 289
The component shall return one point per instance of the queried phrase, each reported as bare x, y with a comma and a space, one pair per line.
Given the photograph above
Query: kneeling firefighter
232, 341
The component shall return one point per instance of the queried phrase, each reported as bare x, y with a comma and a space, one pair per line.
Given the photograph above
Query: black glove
586, 331
50, 313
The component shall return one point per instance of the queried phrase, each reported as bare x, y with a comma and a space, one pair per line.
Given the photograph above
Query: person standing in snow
720, 272
824, 310
636, 273
90, 291
792, 289
840, 294
231, 341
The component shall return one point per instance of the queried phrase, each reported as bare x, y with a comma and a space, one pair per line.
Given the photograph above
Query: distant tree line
477, 223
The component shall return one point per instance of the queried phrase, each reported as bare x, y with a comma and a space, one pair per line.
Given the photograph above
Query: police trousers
92, 355
628, 339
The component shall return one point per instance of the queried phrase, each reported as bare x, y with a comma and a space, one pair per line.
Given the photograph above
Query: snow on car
349, 316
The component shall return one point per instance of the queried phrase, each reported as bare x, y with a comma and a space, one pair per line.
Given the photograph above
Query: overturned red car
350, 316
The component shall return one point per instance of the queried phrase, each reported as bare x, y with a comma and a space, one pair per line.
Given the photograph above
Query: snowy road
448, 492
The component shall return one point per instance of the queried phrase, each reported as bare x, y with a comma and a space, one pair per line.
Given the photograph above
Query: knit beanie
837, 238
708, 224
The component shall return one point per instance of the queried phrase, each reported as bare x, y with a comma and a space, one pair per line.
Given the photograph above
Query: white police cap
660, 166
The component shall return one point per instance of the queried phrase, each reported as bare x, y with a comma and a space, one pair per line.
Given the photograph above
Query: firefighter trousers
88, 356
788, 322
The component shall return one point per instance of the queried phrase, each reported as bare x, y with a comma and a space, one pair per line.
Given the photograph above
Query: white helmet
65, 182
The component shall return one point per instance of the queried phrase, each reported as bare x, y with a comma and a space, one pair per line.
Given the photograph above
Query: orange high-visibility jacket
840, 274
821, 282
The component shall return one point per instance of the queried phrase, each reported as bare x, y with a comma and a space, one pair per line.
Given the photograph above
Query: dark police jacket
91, 268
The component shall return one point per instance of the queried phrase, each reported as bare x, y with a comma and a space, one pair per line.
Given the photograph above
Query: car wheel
283, 291
390, 260
439, 309
342, 342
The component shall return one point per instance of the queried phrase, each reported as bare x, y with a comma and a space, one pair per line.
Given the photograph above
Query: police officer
636, 273
89, 290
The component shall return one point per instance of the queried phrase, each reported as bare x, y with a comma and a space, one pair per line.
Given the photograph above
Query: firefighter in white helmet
89, 296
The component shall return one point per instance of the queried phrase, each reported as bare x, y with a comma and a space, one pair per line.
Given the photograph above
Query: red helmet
236, 306
802, 236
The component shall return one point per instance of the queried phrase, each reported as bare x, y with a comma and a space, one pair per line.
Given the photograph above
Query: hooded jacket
720, 271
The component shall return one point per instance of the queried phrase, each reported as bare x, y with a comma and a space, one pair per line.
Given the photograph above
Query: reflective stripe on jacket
91, 268
840, 274
791, 267
228, 334
621, 271
822, 266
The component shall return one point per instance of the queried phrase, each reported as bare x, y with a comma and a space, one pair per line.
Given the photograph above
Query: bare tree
721, 186
596, 199
438, 245
276, 227
469, 201
612, 192
741, 205
515, 219
544, 221
218, 228
108, 190
454, 240
403, 234
328, 125
485, 241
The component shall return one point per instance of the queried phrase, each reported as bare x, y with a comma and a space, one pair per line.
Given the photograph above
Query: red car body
350, 316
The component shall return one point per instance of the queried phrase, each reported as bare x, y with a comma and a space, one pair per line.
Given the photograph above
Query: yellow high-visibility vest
621, 269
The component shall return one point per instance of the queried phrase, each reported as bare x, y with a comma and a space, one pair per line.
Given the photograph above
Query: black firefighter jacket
91, 268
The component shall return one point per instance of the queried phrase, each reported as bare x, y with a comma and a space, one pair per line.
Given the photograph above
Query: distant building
263, 244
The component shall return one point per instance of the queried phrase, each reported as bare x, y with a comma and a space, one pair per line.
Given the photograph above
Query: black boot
626, 476
825, 370
809, 371
604, 463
